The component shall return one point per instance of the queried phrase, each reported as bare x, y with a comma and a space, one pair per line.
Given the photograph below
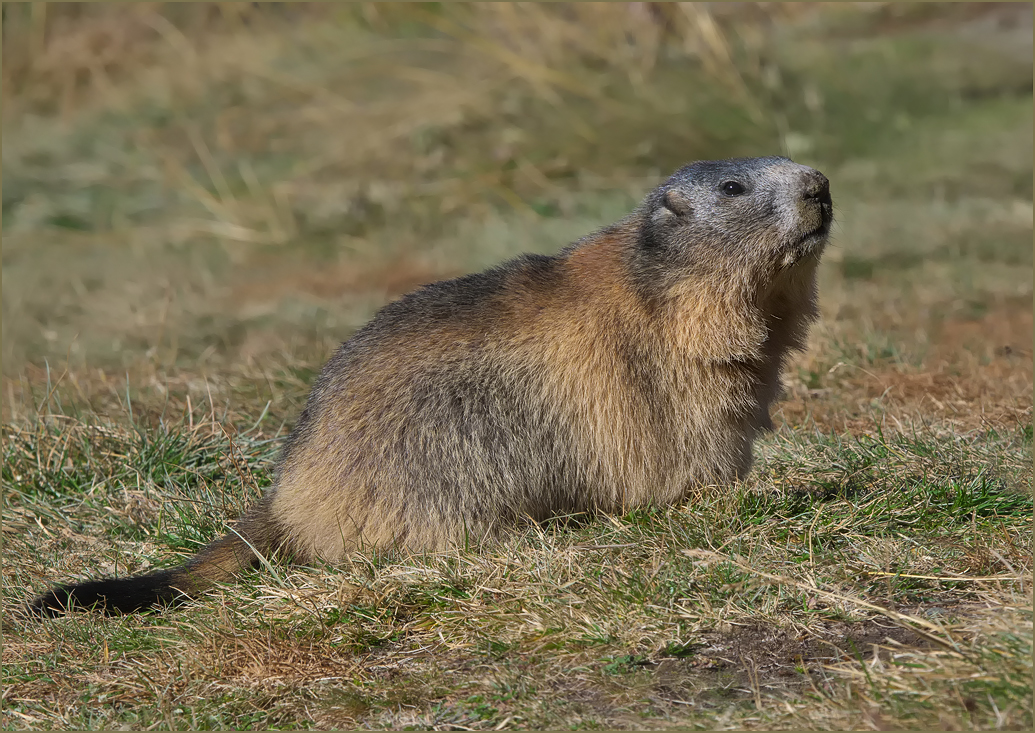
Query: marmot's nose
817, 187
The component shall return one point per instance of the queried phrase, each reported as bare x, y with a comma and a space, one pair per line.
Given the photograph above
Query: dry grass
202, 200
847, 583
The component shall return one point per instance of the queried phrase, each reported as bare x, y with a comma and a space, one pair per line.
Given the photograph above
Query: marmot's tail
113, 595
218, 561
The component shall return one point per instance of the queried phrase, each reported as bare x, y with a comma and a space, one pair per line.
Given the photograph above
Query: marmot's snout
816, 209
817, 188
806, 211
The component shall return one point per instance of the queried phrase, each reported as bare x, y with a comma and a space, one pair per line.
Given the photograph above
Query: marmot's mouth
814, 236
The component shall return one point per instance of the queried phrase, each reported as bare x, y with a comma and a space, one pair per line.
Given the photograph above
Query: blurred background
206, 198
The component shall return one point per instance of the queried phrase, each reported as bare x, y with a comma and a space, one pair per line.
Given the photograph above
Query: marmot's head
744, 219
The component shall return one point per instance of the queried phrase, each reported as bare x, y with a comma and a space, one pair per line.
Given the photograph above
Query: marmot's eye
732, 188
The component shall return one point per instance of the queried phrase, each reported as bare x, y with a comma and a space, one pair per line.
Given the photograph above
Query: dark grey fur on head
700, 220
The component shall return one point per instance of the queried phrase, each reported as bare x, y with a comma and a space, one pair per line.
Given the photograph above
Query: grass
840, 556
202, 200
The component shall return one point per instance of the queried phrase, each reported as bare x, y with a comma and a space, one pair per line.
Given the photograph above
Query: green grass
195, 216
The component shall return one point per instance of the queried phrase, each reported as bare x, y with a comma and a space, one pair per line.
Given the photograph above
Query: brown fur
640, 362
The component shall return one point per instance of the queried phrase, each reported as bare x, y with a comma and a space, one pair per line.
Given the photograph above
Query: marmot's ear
676, 201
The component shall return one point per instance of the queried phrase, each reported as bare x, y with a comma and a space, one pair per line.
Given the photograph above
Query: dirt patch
752, 661
977, 374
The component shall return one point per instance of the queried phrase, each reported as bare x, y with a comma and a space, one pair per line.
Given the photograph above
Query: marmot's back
640, 361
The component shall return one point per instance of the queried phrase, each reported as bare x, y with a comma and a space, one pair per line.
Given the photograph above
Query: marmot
638, 362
